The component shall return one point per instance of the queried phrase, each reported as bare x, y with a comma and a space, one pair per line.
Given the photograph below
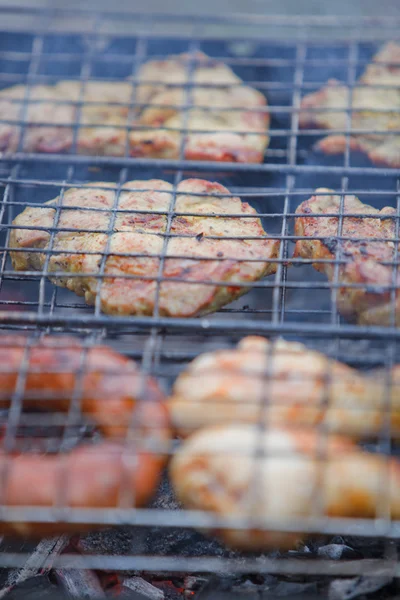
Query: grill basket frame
164, 345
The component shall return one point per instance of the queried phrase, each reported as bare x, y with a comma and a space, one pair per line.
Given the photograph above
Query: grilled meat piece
199, 249
53, 113
227, 122
375, 108
111, 390
270, 479
365, 248
282, 383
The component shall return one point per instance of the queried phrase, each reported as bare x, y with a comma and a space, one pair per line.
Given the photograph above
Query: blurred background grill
285, 58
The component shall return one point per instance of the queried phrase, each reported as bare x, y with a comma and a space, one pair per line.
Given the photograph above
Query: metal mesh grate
299, 56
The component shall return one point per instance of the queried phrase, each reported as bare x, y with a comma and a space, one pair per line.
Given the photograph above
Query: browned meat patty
368, 261
228, 121
381, 148
219, 250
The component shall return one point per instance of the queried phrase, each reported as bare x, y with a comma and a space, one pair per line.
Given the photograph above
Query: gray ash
116, 541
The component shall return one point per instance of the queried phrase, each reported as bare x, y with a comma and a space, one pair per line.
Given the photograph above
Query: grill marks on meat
222, 133
111, 390
282, 383
136, 243
381, 148
270, 477
371, 262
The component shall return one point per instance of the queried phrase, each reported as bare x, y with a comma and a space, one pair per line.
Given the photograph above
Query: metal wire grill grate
296, 302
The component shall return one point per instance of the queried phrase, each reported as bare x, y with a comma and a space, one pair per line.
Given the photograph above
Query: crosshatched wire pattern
295, 301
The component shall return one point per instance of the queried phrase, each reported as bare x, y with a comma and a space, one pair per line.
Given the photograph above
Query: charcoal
116, 541
304, 554
367, 547
218, 585
79, 583
193, 582
230, 596
287, 588
144, 588
126, 594
166, 541
300, 595
36, 588
41, 559
245, 594
170, 592
337, 551
247, 586
262, 587
346, 589
165, 497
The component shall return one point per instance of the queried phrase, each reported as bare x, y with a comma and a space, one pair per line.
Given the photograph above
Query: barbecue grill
285, 58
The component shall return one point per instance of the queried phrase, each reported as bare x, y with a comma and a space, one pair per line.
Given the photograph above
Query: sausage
277, 476
98, 476
106, 384
112, 390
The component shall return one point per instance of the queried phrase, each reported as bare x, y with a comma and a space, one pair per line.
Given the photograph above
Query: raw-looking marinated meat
375, 108
282, 383
274, 479
108, 388
365, 248
227, 121
209, 260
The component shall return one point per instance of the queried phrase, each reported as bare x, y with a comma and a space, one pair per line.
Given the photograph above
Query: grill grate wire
295, 302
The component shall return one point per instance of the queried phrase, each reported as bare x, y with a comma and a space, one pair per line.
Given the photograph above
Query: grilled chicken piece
230, 117
283, 383
375, 108
61, 373
206, 256
367, 254
276, 479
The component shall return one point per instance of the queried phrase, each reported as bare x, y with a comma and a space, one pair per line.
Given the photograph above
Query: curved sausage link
291, 477
106, 383
114, 393
99, 476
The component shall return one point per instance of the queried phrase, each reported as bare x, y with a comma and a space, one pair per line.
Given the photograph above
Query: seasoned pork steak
366, 252
376, 107
222, 250
227, 122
